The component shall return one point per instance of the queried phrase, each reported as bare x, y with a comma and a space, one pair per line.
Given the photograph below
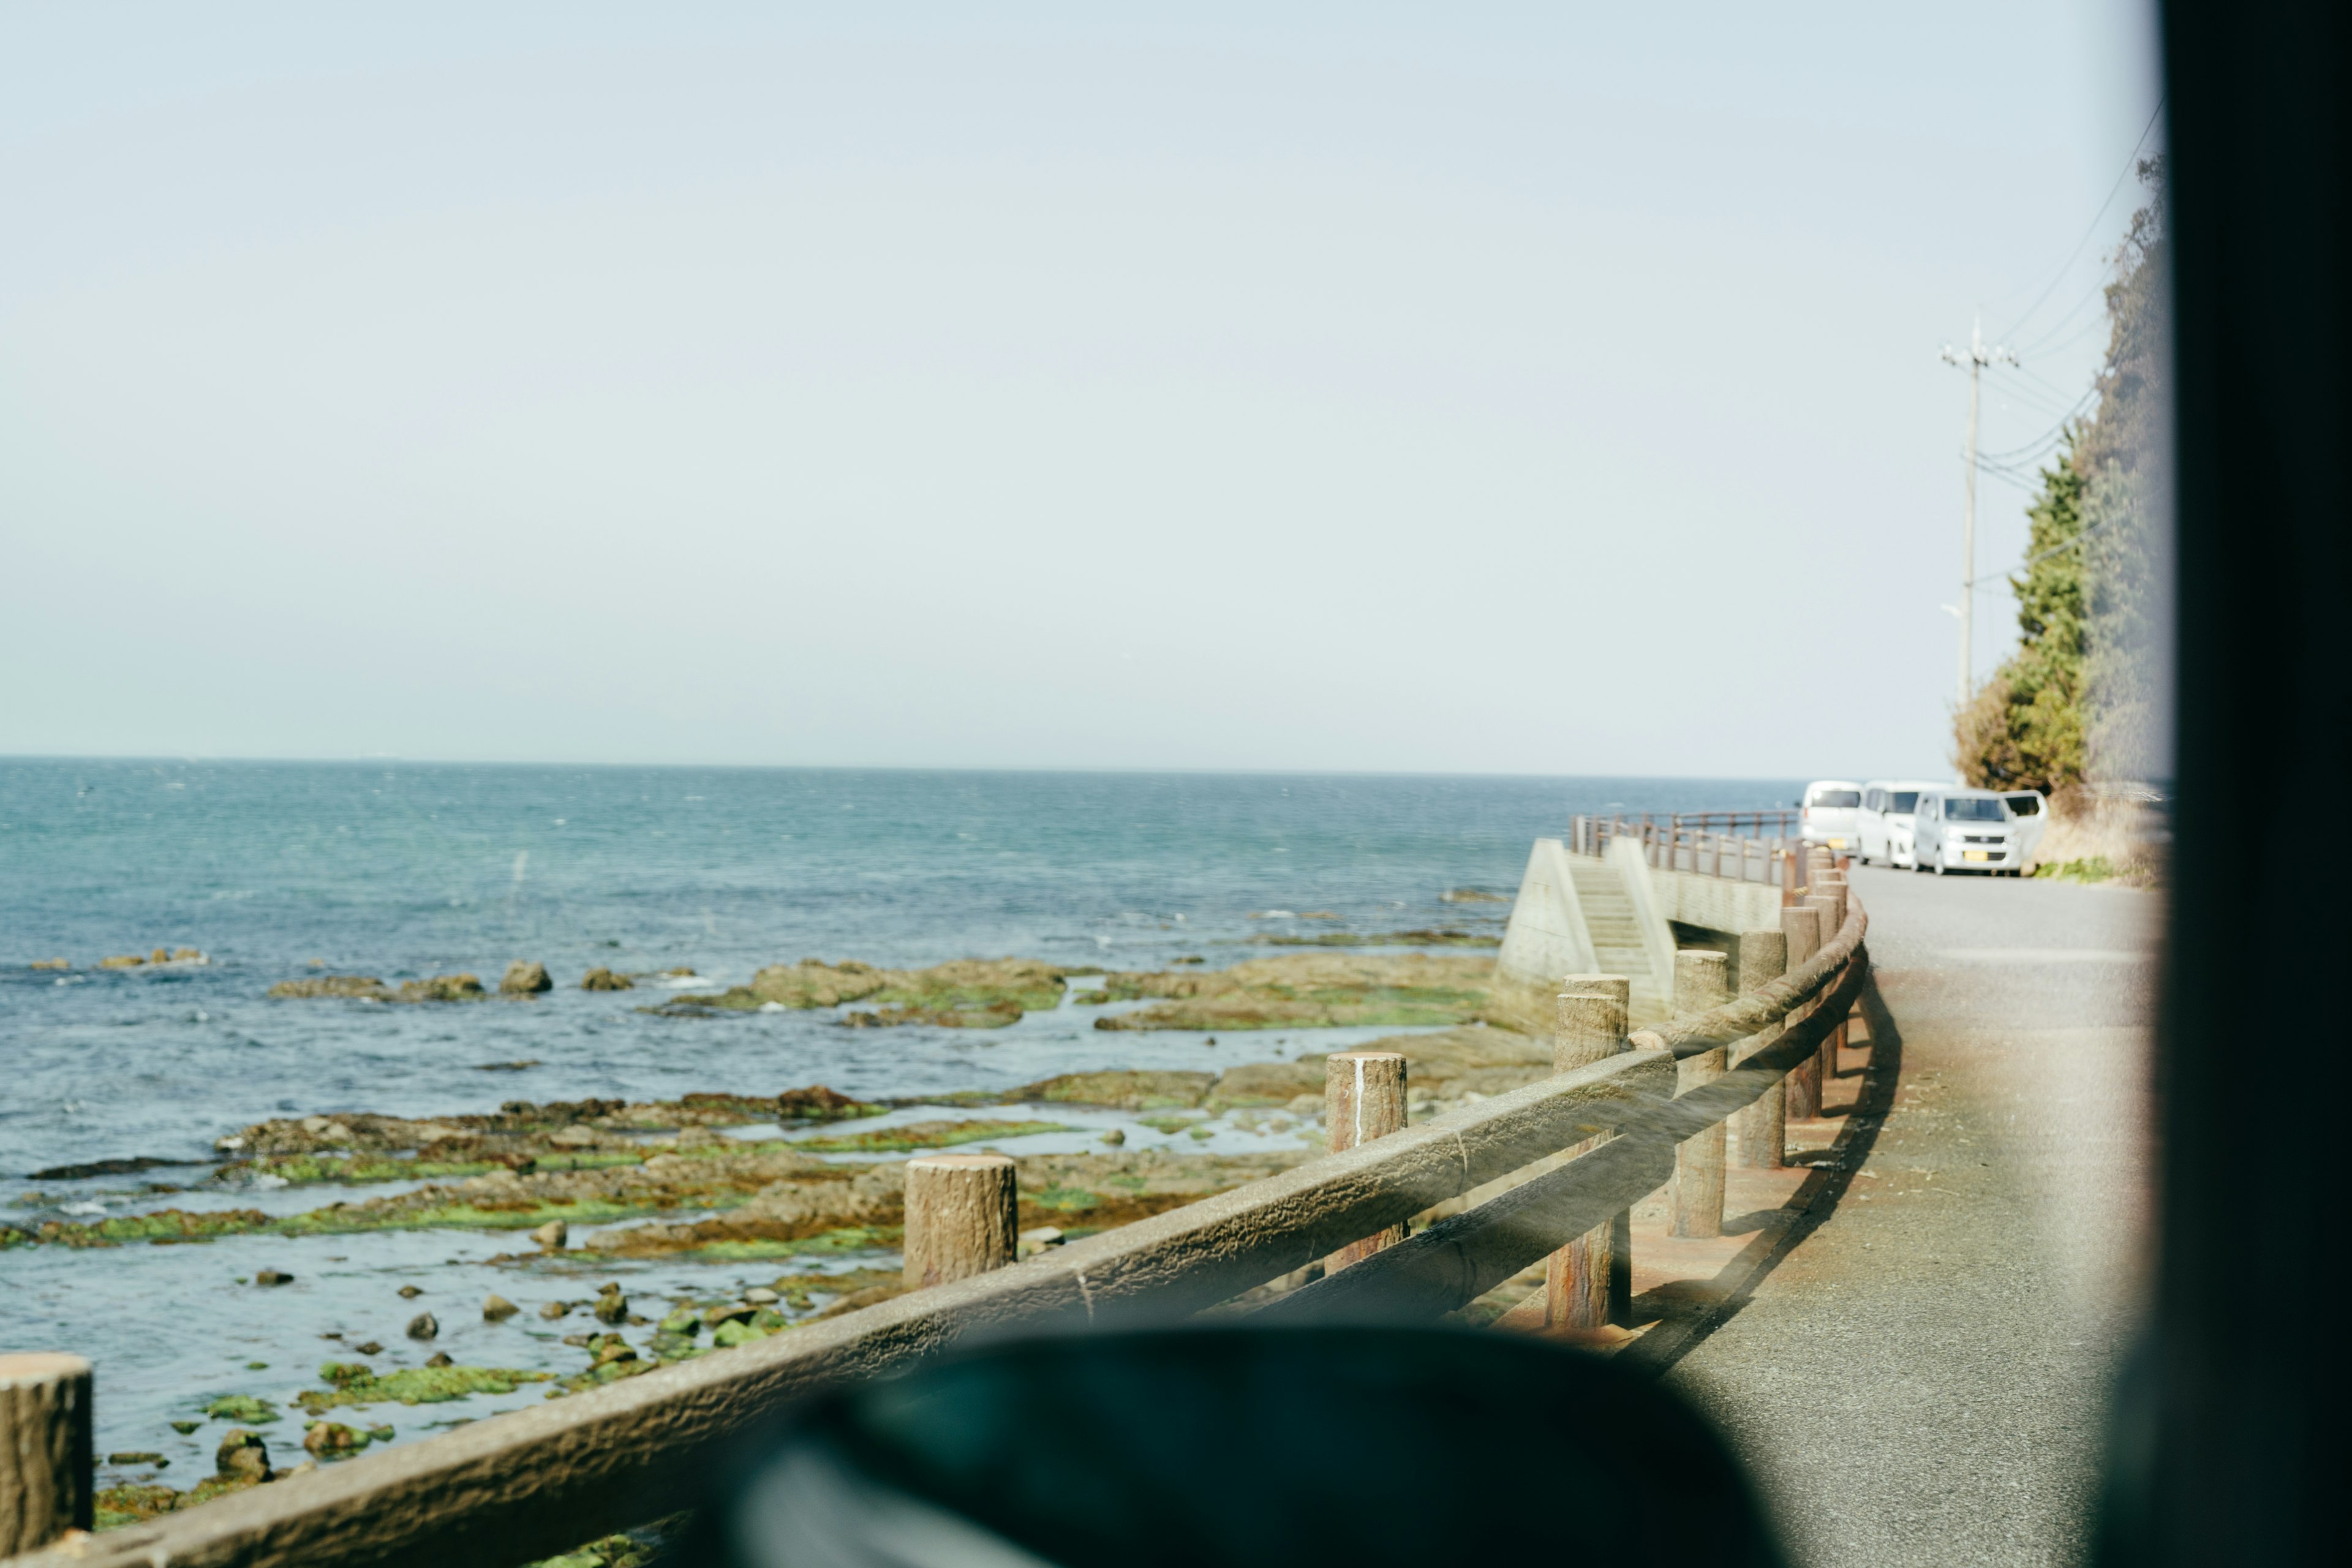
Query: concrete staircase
1616, 934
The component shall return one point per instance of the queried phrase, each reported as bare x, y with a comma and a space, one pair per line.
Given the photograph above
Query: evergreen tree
2081, 693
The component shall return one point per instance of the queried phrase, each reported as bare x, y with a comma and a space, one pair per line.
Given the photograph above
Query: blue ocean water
399, 869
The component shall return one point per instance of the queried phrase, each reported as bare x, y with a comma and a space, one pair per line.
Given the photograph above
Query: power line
2044, 442
2129, 165
2036, 559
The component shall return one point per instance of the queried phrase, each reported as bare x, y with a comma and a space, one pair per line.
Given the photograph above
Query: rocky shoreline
724, 1178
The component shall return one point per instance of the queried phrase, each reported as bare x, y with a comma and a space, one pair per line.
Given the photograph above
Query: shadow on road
1696, 1310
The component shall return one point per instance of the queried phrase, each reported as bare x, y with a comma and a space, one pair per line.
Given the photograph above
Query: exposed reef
1306, 991
968, 993
368, 988
1441, 1067
1447, 937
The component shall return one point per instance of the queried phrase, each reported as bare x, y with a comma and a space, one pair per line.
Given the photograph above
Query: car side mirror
1242, 1448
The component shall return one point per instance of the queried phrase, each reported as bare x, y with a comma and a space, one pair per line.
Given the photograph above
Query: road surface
1923, 1380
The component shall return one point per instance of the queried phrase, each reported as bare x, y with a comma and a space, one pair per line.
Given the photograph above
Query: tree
2081, 695
2127, 507
2023, 729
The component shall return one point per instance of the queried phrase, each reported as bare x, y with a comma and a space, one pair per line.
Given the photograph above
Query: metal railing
1685, 841
535, 1482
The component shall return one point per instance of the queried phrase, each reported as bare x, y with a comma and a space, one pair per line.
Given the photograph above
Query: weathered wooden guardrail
535, 1482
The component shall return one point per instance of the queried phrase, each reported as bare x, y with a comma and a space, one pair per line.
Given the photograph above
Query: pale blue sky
1443, 388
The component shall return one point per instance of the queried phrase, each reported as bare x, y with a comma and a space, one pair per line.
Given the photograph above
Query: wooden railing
535, 1482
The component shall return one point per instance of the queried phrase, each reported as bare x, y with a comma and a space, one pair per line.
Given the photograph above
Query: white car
1883, 827
1827, 812
2031, 807
1958, 829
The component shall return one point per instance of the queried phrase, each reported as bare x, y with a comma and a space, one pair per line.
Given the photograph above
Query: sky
1474, 388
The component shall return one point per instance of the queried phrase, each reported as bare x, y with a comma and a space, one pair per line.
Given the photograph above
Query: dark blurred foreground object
1228, 1447
2229, 1433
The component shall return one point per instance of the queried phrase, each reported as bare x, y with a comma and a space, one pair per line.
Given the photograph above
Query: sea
280, 870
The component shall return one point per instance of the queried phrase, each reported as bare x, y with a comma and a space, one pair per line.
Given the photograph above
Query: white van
1826, 814
1958, 829
1883, 827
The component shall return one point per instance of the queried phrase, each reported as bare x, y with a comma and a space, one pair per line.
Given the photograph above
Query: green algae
1072, 1198
359, 1169
923, 1135
357, 1384
1170, 1124
242, 1408
638, 1548
114, 1507
334, 1440
847, 1238
1140, 1089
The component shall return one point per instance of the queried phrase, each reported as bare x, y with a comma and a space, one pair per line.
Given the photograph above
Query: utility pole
1976, 357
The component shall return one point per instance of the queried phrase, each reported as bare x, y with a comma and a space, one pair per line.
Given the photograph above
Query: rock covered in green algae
355, 1146
638, 1548
243, 1453
525, 977
1140, 1088
115, 1507
352, 1383
442, 988
365, 987
333, 1440
242, 1408
763, 1322
603, 979
969, 992
368, 988
808, 1200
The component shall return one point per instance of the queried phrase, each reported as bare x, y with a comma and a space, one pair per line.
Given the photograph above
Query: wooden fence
536, 1482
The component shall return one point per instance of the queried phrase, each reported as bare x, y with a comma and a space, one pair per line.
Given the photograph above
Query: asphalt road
1924, 1378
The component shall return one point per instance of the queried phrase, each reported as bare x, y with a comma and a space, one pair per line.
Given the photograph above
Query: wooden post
1801, 925
1828, 899
1696, 1196
1588, 1282
45, 1450
963, 1217
1759, 1134
1363, 1099
1835, 886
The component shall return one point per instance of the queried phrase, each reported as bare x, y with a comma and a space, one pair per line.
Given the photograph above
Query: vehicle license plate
1976, 855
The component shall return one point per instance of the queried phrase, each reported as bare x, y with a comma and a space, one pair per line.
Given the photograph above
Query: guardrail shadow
1697, 1309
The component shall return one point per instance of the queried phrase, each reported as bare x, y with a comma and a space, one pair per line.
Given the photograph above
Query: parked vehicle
1883, 825
1826, 814
1966, 830
2031, 807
